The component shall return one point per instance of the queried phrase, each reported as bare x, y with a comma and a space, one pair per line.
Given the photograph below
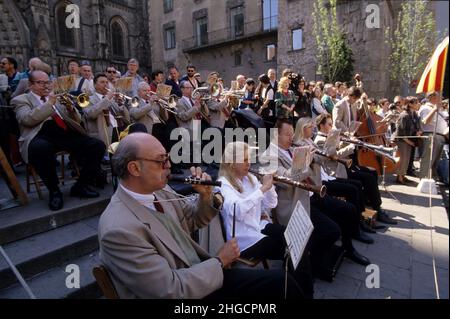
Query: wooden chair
104, 282
30, 172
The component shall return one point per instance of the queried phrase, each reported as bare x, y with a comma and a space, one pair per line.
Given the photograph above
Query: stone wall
371, 53
218, 57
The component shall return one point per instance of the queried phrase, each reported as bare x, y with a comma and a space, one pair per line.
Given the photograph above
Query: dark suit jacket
175, 88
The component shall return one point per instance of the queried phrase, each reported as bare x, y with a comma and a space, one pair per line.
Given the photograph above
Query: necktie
58, 120
158, 206
290, 153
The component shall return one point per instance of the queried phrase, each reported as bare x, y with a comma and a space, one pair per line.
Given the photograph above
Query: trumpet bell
83, 100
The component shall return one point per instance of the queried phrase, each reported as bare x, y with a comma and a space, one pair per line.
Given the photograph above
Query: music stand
383, 182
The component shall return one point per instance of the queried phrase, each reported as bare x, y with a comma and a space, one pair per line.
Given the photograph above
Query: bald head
130, 148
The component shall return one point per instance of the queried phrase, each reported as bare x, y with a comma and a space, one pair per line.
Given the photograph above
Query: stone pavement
412, 256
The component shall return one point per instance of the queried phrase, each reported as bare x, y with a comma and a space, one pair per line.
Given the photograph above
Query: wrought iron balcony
226, 35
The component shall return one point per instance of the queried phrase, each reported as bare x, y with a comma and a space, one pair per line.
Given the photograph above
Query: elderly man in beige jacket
145, 235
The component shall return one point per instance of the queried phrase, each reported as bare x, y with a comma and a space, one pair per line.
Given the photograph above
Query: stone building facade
370, 52
110, 31
230, 36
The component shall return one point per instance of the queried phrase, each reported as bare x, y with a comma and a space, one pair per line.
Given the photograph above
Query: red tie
158, 206
58, 120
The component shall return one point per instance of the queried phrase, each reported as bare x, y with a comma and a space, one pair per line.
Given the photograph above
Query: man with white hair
241, 81
133, 68
147, 112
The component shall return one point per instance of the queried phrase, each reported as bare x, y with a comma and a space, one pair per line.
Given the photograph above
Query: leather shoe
364, 238
366, 228
83, 191
383, 217
357, 257
55, 200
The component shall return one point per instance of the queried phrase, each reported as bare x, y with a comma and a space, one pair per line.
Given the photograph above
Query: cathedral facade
108, 32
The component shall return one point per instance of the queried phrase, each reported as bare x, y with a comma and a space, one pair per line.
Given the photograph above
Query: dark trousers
350, 189
52, 139
273, 246
369, 180
326, 232
256, 284
342, 213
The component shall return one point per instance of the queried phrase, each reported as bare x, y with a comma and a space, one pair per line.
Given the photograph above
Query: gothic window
117, 39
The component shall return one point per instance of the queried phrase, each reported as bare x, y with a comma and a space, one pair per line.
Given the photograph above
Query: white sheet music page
332, 143
297, 233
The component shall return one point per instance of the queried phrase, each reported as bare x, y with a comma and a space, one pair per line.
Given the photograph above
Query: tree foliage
334, 55
412, 42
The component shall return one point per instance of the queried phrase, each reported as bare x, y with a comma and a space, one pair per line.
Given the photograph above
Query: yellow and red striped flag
433, 77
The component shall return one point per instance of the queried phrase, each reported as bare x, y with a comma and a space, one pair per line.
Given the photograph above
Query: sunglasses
111, 71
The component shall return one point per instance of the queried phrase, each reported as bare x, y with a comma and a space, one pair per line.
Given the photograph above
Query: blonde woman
285, 100
251, 201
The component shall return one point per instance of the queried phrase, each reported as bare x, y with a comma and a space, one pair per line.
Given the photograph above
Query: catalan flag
433, 77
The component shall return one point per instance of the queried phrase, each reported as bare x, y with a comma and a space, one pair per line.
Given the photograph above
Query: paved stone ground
412, 256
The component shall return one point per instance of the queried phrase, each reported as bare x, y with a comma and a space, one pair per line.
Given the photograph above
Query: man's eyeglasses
163, 162
43, 83
111, 71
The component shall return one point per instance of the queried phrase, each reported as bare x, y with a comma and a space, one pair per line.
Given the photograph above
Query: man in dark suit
48, 127
174, 82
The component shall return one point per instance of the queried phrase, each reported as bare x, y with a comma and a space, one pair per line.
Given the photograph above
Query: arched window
117, 37
66, 36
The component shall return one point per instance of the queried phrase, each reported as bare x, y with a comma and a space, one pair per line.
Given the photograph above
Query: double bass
373, 132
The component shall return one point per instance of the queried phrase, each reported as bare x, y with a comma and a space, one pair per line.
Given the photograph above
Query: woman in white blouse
251, 201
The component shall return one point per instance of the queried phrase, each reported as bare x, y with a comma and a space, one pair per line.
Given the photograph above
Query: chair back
105, 283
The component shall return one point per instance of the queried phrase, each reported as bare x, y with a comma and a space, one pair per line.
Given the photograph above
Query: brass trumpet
126, 97
169, 104
68, 99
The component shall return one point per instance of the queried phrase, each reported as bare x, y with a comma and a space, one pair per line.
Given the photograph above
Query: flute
194, 181
321, 190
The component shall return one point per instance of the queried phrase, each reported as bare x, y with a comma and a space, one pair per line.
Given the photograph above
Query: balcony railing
250, 29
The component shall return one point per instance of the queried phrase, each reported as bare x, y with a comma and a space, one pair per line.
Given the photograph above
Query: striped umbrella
433, 77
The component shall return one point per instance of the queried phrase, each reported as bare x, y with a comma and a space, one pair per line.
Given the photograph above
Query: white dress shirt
250, 205
145, 200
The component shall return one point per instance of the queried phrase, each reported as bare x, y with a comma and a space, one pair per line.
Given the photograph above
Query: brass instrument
69, 100
169, 104
126, 97
320, 190
206, 92
388, 152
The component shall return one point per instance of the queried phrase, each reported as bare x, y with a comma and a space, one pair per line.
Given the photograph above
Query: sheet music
302, 158
332, 143
297, 233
